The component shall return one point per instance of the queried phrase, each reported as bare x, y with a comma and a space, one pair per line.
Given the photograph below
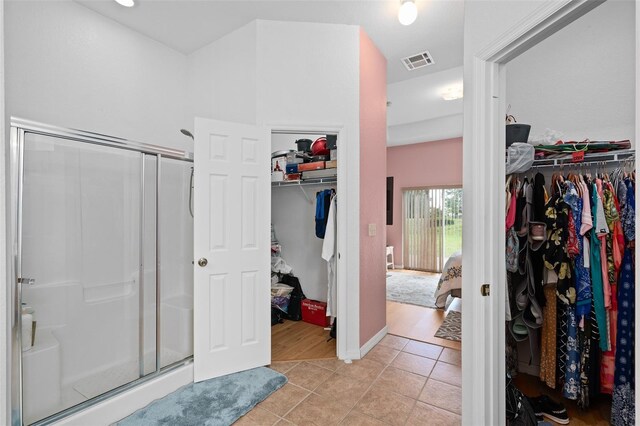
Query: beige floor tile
307, 375
285, 398
329, 364
442, 395
318, 410
386, 406
413, 363
403, 382
354, 418
395, 342
383, 354
344, 388
423, 349
364, 369
447, 373
283, 422
451, 356
428, 415
283, 366
257, 417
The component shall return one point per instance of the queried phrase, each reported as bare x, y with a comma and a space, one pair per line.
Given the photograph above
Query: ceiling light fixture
408, 12
125, 3
452, 93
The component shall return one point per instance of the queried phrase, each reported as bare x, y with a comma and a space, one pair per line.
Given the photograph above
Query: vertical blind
432, 227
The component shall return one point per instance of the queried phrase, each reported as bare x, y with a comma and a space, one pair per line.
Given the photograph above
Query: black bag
276, 316
519, 411
294, 311
334, 329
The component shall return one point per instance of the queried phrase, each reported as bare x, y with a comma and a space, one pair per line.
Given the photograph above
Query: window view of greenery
432, 227
452, 221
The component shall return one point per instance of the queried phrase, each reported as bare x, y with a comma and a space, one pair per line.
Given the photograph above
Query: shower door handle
202, 262
28, 281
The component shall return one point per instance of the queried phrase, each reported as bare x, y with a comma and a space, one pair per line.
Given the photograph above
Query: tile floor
399, 382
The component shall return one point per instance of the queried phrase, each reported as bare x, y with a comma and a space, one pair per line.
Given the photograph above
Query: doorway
419, 296
303, 186
484, 155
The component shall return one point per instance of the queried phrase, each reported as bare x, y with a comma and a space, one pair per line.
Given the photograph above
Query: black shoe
545, 406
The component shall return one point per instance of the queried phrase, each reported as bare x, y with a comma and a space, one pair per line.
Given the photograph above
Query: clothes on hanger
329, 255
588, 323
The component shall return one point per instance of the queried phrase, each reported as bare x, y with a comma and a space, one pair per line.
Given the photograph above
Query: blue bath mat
215, 402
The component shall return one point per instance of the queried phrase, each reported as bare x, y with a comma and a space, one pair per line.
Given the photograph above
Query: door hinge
485, 289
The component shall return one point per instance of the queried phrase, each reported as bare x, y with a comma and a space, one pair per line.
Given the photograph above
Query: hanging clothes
613, 221
549, 335
596, 277
329, 255
623, 399
323, 199
587, 327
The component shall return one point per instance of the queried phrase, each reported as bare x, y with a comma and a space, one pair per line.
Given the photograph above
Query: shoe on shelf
546, 407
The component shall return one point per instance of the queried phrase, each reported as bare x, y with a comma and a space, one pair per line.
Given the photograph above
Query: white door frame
348, 238
483, 321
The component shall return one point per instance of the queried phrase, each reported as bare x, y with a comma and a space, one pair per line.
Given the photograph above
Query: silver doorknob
203, 262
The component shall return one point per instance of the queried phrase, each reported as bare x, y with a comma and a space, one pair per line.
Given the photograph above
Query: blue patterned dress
582, 275
623, 402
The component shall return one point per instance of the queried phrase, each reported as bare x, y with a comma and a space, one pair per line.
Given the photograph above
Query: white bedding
450, 282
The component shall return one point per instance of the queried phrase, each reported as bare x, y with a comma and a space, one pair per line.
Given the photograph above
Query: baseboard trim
373, 341
126, 403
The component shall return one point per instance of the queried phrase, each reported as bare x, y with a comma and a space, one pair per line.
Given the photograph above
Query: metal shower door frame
19, 128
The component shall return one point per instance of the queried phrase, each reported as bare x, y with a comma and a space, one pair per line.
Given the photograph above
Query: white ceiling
421, 98
187, 25
419, 114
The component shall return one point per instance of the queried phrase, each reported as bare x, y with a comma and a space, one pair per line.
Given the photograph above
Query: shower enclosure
103, 249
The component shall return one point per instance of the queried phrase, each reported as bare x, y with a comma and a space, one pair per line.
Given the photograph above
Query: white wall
304, 78
580, 81
484, 22
72, 67
4, 275
309, 77
222, 78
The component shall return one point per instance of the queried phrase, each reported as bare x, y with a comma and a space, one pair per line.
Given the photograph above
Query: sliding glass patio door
432, 227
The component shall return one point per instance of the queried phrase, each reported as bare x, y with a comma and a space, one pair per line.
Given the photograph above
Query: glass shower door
88, 322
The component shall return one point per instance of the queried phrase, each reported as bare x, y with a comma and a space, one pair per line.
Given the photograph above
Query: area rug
413, 289
215, 402
450, 328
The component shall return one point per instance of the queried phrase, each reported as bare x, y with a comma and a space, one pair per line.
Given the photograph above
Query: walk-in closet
570, 224
304, 174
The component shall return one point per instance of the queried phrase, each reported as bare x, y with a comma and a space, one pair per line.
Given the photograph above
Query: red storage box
317, 165
315, 312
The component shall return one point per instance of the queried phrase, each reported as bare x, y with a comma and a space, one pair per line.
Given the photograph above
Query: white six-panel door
231, 248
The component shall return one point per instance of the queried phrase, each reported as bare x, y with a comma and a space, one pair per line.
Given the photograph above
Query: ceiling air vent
418, 60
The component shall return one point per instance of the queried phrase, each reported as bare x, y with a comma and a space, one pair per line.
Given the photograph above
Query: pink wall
425, 164
373, 164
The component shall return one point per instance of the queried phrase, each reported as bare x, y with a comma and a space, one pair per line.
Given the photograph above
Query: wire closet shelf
590, 160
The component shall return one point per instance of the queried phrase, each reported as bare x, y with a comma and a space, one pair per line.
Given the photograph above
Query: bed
450, 282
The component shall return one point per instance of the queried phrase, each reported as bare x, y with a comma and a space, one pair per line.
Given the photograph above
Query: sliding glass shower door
105, 249
81, 219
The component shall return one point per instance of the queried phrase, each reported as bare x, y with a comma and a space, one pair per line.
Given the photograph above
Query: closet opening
304, 245
570, 210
